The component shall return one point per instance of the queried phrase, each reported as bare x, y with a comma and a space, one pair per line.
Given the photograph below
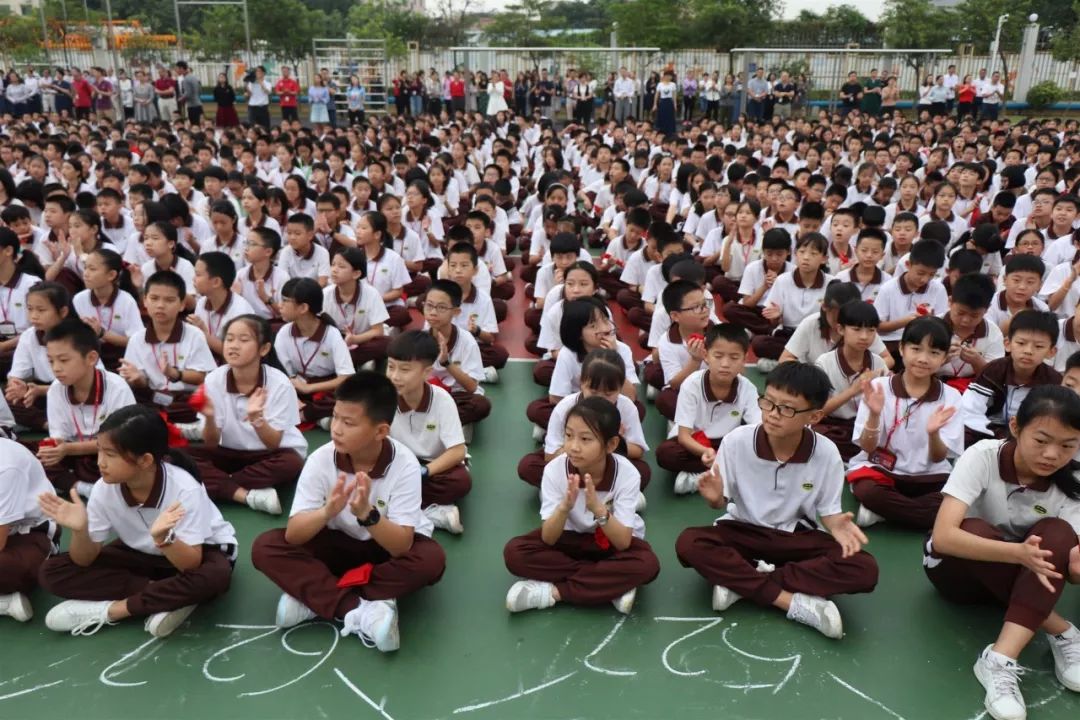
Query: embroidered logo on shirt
735, 413
808, 486
1039, 509
430, 426
380, 503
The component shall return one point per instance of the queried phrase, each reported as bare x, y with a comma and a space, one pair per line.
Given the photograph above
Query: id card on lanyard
7, 325
882, 455
305, 364
99, 394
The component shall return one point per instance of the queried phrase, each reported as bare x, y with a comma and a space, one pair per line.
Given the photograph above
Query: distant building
19, 7
945, 3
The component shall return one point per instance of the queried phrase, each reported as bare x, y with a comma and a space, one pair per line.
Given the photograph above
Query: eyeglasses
440, 309
601, 331
700, 307
767, 406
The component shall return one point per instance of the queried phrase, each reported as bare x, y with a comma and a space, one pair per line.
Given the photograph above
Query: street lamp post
997, 42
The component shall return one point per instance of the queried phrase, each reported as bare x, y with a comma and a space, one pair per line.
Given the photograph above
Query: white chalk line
866, 697
712, 622
380, 708
313, 668
601, 646
517, 695
206, 665
104, 676
795, 660
27, 691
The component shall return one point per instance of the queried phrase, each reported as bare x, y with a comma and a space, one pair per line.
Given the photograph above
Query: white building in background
19, 7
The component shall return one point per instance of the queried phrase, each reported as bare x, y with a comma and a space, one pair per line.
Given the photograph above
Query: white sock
1068, 634
1002, 659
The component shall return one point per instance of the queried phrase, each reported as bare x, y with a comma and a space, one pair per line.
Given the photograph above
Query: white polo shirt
432, 427
654, 284
897, 300
230, 410
985, 479
395, 488
120, 314
22, 479
618, 489
698, 408
906, 419
631, 422
842, 376
364, 311
566, 378
385, 272
216, 320
742, 254
13, 318
1067, 344
463, 351
244, 227
235, 249
31, 360
322, 355
661, 321
185, 349
987, 340
408, 246
673, 355
808, 343
477, 305
77, 422
111, 510
247, 287
869, 290
754, 277
492, 258
783, 496
180, 266
633, 273
795, 299
314, 265
999, 312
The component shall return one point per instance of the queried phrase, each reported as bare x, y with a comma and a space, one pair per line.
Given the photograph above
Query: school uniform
661, 325
30, 363
241, 460
312, 572
235, 249
674, 356
796, 300
582, 564
994, 397
776, 522
987, 340
565, 379
897, 299
217, 319
247, 286
179, 265
616, 254
464, 351
999, 312
836, 260
385, 272
321, 357
726, 283
72, 421
837, 426
428, 430
491, 258
744, 315
868, 290
132, 567
633, 276
244, 227
531, 467
357, 316
1000, 508
898, 480
31, 535
13, 320
408, 246
891, 259
185, 348
703, 413
1068, 343
477, 305
313, 264
119, 314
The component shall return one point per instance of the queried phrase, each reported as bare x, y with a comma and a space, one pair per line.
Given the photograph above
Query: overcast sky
869, 8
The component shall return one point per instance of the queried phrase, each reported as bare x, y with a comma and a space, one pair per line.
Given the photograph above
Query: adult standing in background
33, 86
165, 87
144, 96
889, 95
447, 97
757, 90
457, 94
950, 83
689, 94
993, 97
332, 88
585, 98
225, 98
103, 91
355, 99
190, 93
965, 98
649, 100
125, 88
83, 93
319, 100
871, 99
624, 96
543, 92
980, 86
784, 92
711, 92
48, 94
571, 94
737, 94
288, 90
521, 94
258, 92
496, 96
850, 94
665, 104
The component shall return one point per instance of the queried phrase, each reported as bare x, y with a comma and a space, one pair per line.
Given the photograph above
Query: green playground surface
907, 653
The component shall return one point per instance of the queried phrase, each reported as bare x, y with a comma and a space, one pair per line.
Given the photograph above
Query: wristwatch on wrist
602, 521
169, 540
372, 518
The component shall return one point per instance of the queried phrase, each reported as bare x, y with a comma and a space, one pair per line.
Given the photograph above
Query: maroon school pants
471, 408
373, 349
70, 470
179, 411
582, 572
446, 488
1027, 600
310, 572
419, 285
612, 285
666, 402
910, 501
543, 371
807, 561
747, 317
20, 561
771, 347
839, 431
33, 417
149, 583
494, 355
725, 287
671, 455
654, 374
628, 299
531, 469
224, 470
399, 316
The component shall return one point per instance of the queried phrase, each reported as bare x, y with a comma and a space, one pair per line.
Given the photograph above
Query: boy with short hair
844, 225
165, 365
54, 218
711, 403
619, 250
115, 224
793, 296
666, 246
77, 402
758, 278
995, 394
302, 256
905, 228
975, 340
332, 231
459, 368
776, 479
356, 539
866, 273
480, 225
427, 423
682, 351
911, 294
637, 265
1068, 340
215, 274
1023, 276
477, 313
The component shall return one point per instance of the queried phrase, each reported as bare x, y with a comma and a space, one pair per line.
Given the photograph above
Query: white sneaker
642, 503
491, 375
625, 602
651, 393
818, 613
1000, 676
79, 617
530, 595
16, 605
538, 433
723, 598
264, 500
375, 623
1066, 650
163, 624
324, 423
84, 489
445, 517
369, 365
291, 612
193, 431
686, 483
866, 517
766, 366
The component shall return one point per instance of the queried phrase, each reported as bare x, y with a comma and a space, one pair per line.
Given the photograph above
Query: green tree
917, 24
390, 20
285, 27
670, 24
650, 22
836, 27
20, 38
1066, 44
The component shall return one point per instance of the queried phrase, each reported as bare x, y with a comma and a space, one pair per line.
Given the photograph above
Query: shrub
1044, 94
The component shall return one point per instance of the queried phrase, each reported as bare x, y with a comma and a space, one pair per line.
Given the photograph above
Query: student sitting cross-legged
777, 479
27, 536
590, 549
356, 539
1006, 535
173, 549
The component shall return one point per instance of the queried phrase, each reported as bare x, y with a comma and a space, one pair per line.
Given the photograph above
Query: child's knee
266, 547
